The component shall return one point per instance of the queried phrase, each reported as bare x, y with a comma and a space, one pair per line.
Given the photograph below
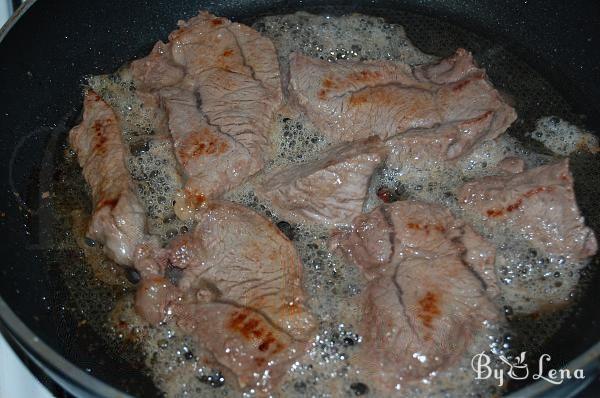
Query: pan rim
50, 360
64, 370
15, 17
41, 353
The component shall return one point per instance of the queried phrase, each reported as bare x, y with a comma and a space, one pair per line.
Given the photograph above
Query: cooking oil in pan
332, 284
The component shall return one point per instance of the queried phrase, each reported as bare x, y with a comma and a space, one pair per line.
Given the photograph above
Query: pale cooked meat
240, 292
219, 82
442, 142
243, 257
330, 190
118, 218
512, 165
423, 318
538, 204
384, 237
157, 70
480, 255
348, 100
154, 297
452, 69
370, 244
231, 67
379, 240
244, 344
212, 161
426, 301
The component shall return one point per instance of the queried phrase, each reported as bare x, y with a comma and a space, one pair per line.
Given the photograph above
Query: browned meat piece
245, 345
422, 319
538, 204
370, 244
118, 219
241, 293
452, 69
443, 142
242, 257
157, 70
350, 100
426, 302
330, 190
230, 67
379, 240
219, 83
212, 161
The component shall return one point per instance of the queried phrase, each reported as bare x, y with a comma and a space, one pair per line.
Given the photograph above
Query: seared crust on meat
539, 204
349, 100
118, 218
431, 281
240, 293
218, 82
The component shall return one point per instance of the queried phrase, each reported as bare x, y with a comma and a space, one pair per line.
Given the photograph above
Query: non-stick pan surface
49, 46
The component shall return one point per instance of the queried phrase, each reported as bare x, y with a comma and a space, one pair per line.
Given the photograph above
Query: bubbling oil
332, 285
562, 137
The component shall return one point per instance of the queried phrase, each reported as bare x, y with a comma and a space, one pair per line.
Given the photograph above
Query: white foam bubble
562, 137
353, 36
296, 140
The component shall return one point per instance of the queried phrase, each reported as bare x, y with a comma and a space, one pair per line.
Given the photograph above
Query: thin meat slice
330, 190
154, 297
439, 143
244, 344
212, 161
219, 84
237, 255
452, 69
370, 244
424, 318
231, 68
511, 165
390, 233
427, 301
157, 70
239, 293
118, 218
348, 100
538, 204
379, 240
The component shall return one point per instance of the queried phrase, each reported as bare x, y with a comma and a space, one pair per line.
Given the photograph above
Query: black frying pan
49, 46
